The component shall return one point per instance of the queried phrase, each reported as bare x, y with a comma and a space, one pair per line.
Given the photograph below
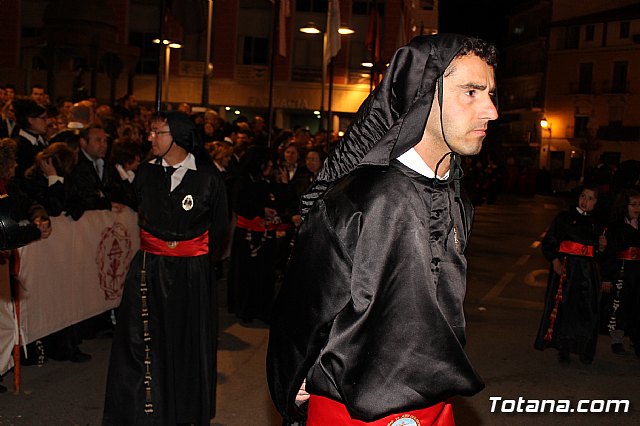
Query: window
148, 61
426, 4
312, 6
589, 32
363, 7
624, 29
585, 79
572, 37
255, 50
616, 113
619, 80
580, 127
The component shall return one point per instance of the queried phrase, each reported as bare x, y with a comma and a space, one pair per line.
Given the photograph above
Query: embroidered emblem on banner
112, 259
634, 253
187, 203
405, 420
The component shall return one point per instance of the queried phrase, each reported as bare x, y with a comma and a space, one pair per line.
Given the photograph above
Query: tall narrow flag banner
332, 36
284, 11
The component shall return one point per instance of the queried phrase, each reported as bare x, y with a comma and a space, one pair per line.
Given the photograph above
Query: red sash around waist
570, 247
629, 254
194, 247
257, 224
324, 411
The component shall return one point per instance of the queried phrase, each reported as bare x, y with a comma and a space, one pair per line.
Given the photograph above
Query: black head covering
26, 108
183, 130
392, 119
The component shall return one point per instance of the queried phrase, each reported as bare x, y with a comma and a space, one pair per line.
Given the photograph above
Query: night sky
480, 18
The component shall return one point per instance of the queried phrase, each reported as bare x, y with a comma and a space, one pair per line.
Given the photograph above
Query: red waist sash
258, 224
570, 247
629, 254
194, 247
324, 411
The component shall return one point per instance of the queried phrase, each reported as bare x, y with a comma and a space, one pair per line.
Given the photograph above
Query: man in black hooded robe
370, 318
163, 359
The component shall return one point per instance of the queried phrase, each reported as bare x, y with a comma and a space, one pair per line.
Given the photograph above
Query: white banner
76, 273
8, 327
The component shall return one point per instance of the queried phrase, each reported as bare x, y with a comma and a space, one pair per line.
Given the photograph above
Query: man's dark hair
26, 108
482, 49
37, 86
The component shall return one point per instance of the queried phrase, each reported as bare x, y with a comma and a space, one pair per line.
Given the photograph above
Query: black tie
168, 171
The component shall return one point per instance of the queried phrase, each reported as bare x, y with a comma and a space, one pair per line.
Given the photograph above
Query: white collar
189, 162
582, 212
412, 160
33, 139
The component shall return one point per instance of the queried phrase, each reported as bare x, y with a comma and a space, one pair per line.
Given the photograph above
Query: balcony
619, 133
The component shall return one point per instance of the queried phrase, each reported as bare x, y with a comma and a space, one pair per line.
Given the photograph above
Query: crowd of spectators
74, 157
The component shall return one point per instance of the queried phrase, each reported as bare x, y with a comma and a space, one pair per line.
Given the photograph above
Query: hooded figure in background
370, 319
163, 359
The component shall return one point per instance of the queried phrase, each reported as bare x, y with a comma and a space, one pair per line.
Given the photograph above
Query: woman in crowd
46, 182
621, 272
258, 208
572, 245
126, 156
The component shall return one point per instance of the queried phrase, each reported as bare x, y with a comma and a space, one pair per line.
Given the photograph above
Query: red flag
373, 35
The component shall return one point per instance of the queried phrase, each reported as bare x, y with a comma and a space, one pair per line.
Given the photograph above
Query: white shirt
35, 140
412, 160
189, 163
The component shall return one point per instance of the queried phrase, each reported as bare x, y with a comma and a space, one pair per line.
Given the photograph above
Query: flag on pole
283, 13
373, 35
401, 39
332, 36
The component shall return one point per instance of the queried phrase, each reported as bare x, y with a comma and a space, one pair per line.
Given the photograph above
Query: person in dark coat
621, 272
31, 120
369, 325
258, 205
162, 369
47, 181
573, 244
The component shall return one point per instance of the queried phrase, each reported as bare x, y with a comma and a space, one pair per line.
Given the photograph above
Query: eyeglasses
634, 204
155, 133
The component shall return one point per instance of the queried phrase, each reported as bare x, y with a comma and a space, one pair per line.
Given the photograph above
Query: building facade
105, 48
592, 87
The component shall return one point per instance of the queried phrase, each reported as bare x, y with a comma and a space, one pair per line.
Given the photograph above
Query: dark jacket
370, 312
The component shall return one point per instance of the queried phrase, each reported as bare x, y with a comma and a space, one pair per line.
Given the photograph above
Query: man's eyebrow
476, 86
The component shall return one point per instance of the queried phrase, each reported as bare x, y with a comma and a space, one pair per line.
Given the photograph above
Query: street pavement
506, 284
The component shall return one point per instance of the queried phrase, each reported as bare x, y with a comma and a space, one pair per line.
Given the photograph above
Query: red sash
324, 411
629, 254
257, 224
195, 247
577, 249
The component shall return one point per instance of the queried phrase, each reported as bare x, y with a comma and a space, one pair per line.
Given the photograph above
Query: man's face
587, 200
96, 145
37, 94
65, 108
467, 106
242, 138
9, 94
160, 138
38, 124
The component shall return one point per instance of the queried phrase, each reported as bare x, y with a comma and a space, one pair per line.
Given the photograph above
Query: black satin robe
182, 307
371, 309
575, 328
620, 237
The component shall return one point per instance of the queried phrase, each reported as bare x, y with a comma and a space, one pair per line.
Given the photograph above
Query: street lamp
312, 28
546, 125
168, 45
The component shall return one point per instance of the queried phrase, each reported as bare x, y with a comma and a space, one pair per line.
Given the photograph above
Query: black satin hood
392, 119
